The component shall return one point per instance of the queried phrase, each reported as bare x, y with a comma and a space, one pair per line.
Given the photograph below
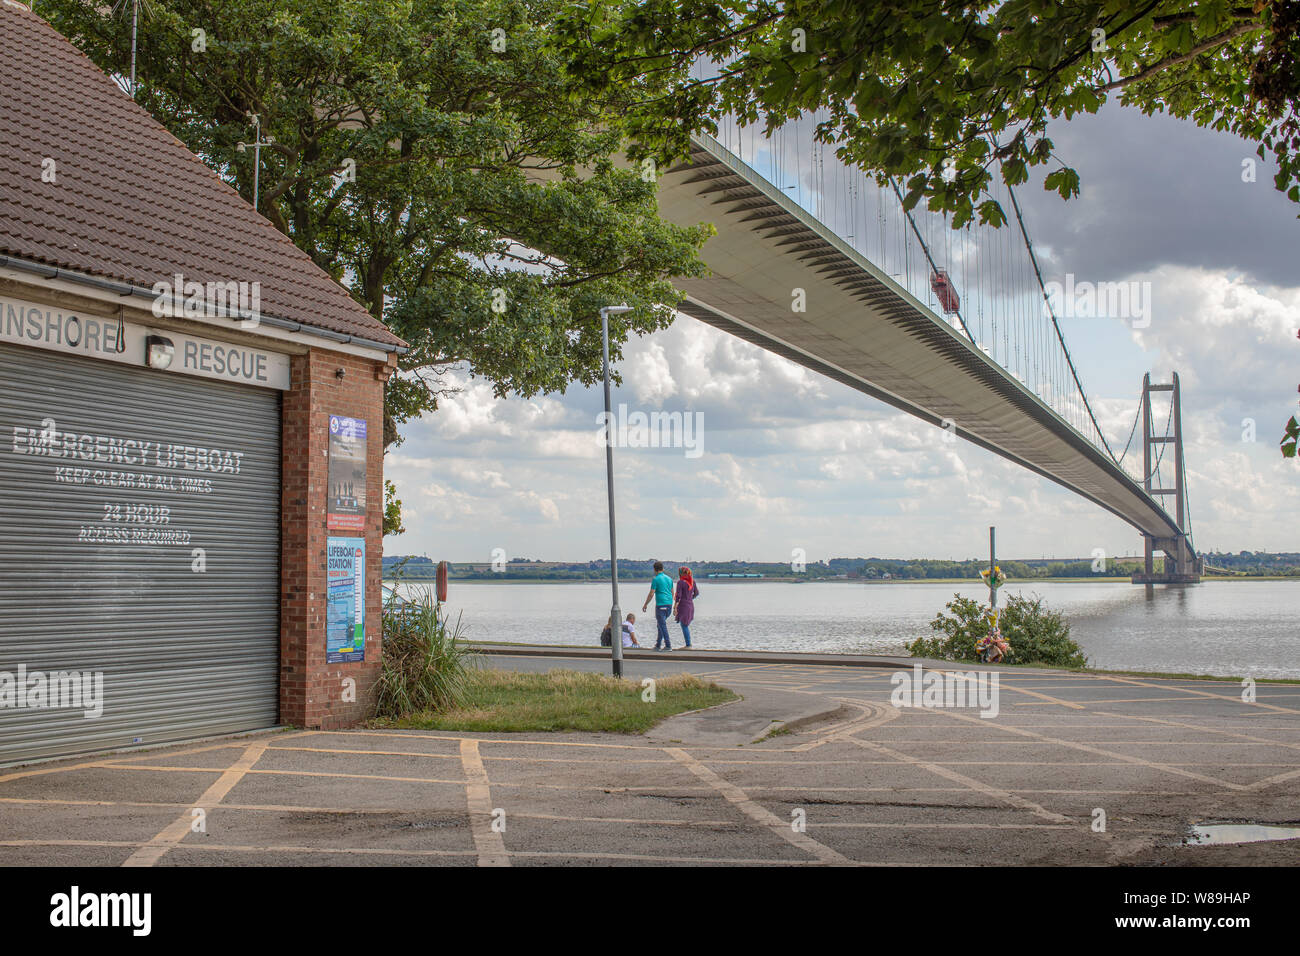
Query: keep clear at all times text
173, 468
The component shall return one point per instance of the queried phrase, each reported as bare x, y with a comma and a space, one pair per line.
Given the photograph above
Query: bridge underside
861, 328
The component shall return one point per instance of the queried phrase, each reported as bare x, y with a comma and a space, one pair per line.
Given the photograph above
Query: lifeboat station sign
107, 338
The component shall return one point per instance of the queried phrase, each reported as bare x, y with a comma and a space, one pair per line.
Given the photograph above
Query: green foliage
1290, 438
1037, 635
956, 633
392, 510
903, 86
426, 664
498, 701
483, 176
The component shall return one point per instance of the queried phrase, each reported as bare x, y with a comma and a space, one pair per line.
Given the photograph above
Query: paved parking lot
872, 784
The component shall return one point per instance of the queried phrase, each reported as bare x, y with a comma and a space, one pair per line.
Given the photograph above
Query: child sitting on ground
629, 632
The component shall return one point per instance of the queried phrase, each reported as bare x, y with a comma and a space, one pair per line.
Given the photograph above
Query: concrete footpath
760, 713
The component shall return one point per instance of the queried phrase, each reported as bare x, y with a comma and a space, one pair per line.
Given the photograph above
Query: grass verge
559, 700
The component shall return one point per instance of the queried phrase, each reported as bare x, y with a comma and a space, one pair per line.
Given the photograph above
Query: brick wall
312, 691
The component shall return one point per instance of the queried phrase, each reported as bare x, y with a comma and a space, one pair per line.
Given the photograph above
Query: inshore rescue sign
103, 337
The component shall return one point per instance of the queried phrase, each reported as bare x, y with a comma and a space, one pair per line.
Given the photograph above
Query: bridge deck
863, 329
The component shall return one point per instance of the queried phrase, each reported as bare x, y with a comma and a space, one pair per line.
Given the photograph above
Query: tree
435, 156
908, 87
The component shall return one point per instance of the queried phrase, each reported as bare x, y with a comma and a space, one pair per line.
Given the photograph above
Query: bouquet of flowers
992, 647
993, 578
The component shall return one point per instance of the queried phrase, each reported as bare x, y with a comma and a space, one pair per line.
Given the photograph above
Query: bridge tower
1181, 565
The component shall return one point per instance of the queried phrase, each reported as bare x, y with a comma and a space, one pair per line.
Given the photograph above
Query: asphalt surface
849, 779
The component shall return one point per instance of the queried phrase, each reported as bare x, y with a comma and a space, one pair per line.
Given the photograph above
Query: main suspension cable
1029, 246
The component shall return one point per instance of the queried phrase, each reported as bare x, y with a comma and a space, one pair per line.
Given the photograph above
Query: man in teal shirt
661, 589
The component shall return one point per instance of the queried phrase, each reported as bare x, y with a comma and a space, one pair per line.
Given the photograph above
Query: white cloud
653, 380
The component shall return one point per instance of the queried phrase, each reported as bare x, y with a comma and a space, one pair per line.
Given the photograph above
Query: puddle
1226, 833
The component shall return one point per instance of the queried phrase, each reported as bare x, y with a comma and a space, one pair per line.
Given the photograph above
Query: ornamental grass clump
426, 662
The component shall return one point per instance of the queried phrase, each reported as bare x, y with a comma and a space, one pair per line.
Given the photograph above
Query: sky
787, 461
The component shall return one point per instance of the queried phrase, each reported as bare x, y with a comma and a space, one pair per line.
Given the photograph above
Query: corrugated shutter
182, 653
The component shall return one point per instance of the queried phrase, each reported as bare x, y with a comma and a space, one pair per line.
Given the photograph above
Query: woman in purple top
684, 601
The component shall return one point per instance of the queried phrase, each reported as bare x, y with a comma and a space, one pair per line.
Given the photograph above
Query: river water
1231, 628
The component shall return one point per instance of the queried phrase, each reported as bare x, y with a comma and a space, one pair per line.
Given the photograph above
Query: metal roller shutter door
182, 653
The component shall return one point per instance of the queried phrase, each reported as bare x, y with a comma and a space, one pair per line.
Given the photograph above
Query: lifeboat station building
191, 440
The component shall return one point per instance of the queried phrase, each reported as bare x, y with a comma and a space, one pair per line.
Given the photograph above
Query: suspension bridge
814, 261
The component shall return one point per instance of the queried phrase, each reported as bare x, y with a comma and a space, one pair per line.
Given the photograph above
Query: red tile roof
129, 202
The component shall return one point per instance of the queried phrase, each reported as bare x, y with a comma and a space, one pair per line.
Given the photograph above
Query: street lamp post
616, 616
993, 561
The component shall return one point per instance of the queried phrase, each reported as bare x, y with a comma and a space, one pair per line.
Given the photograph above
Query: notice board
345, 619
346, 501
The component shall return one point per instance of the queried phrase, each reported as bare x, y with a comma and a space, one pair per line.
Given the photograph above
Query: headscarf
684, 573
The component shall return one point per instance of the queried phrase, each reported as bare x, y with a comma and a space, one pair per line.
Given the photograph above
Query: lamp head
158, 351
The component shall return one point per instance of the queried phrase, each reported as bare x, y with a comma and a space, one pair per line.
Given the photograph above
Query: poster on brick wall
345, 615
346, 500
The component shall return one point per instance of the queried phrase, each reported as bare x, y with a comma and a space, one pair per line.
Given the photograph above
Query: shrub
1037, 635
956, 634
425, 663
